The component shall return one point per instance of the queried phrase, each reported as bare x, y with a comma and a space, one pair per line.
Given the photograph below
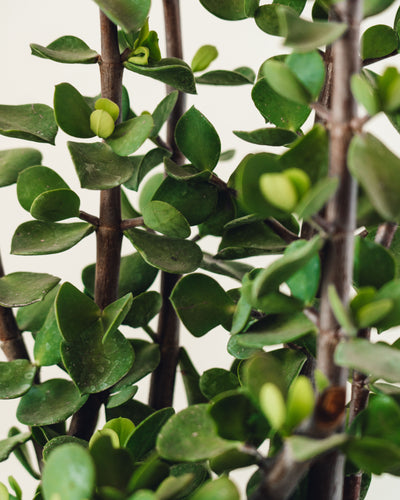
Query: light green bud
273, 405
140, 56
102, 123
109, 106
299, 179
300, 401
279, 191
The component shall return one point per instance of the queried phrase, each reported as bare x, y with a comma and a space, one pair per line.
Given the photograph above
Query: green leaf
135, 276
143, 438
23, 288
191, 378
120, 397
388, 89
273, 405
305, 282
378, 360
390, 291
305, 448
98, 167
230, 10
147, 358
282, 269
22, 455
198, 139
374, 265
48, 341
373, 7
55, 205
374, 455
300, 401
195, 199
171, 71
72, 111
32, 122
222, 488
225, 77
14, 161
378, 171
50, 402
223, 213
276, 329
309, 68
284, 82
372, 313
173, 255
55, 442
166, 219
42, 238
130, 135
277, 109
66, 49
191, 436
201, 303
16, 378
144, 164
204, 56
144, 307
378, 41
162, 112
268, 136
267, 19
303, 35
365, 94
31, 318
217, 380
129, 14
114, 314
10, 444
314, 200
341, 312
235, 270
199, 472
69, 474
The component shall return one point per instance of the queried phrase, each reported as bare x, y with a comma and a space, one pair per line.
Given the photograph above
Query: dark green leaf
235, 270
48, 341
303, 35
32, 122
191, 379
66, 49
172, 487
314, 199
231, 10
222, 488
145, 434
168, 254
195, 199
53, 401
224, 77
198, 139
9, 444
55, 205
199, 474
13, 161
23, 288
378, 171
201, 303
22, 454
120, 397
238, 351
373, 7
224, 212
268, 136
149, 474
147, 358
54, 443
374, 455
230, 461
276, 329
144, 164
114, 314
165, 219
130, 135
185, 172
71, 111
378, 41
374, 265
171, 71
149, 189
162, 112
31, 318
191, 436
16, 378
129, 14
69, 474
98, 167
144, 307
267, 19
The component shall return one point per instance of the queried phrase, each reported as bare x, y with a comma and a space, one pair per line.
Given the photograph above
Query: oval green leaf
379, 41
204, 56
23, 288
222, 488
268, 136
225, 77
230, 10
66, 49
130, 135
165, 219
55, 205
14, 161
16, 378
129, 14
72, 111
32, 122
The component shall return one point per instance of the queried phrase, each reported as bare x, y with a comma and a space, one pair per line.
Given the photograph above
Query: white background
27, 79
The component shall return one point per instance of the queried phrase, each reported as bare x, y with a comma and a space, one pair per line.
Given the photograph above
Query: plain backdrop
27, 79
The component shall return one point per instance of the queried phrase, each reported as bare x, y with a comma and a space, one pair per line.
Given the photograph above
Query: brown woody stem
109, 234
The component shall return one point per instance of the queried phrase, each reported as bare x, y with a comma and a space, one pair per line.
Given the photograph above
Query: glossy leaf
14, 161
50, 402
268, 136
166, 219
199, 472
378, 360
143, 438
120, 397
162, 112
23, 288
69, 474
217, 380
130, 135
171, 71
144, 307
31, 318
276, 329
16, 378
231, 10
204, 56
223, 213
201, 303
42, 238
225, 77
378, 41
191, 379
98, 167
32, 122
198, 139
48, 341
374, 265
9, 444
72, 111
114, 314
304, 36
66, 49
378, 171
190, 436
129, 14
147, 358
173, 255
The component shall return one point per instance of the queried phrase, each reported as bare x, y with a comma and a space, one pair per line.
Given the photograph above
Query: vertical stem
109, 235
163, 378
340, 215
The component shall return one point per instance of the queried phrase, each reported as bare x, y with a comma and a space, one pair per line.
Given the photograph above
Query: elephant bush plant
321, 194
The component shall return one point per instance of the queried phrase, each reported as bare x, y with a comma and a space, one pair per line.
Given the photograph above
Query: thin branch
321, 111
163, 378
92, 219
109, 234
372, 60
129, 223
281, 230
